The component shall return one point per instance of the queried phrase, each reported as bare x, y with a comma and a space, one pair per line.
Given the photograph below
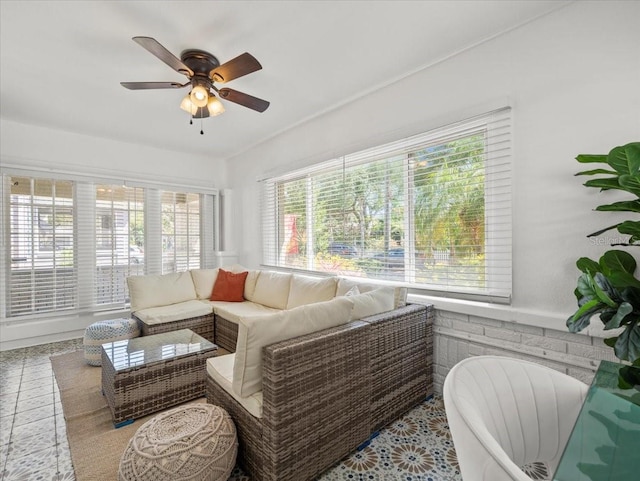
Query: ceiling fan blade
153, 46
244, 99
241, 65
152, 85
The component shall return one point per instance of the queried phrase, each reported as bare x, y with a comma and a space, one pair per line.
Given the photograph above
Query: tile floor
33, 438
33, 442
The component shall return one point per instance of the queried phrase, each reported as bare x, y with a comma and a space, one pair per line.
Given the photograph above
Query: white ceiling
61, 62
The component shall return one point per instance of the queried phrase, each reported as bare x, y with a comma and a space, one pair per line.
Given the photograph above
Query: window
72, 243
432, 211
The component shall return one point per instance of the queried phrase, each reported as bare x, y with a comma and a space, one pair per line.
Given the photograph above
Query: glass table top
130, 353
605, 441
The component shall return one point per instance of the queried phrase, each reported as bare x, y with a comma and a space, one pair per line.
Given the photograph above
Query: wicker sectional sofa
316, 366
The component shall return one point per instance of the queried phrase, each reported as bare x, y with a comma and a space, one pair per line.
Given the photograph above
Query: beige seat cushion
220, 368
256, 332
307, 290
233, 311
174, 312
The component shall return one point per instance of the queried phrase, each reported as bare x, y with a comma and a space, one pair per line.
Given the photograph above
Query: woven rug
417, 447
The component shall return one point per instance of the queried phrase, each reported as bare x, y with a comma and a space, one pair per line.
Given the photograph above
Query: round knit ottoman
196, 442
101, 332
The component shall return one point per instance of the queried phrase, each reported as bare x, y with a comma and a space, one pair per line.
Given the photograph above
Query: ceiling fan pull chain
201, 131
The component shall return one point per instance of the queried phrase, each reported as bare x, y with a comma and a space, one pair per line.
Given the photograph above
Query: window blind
72, 244
432, 211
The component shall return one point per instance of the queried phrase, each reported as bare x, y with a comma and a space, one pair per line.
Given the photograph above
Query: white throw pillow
203, 281
272, 289
160, 290
307, 290
256, 332
373, 302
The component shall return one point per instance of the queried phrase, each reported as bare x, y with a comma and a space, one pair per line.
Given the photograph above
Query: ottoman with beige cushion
102, 332
194, 442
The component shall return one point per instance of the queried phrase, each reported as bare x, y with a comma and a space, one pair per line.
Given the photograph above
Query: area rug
417, 447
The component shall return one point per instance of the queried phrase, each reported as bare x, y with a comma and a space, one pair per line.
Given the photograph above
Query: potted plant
609, 287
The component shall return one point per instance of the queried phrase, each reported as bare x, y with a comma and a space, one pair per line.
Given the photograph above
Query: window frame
497, 201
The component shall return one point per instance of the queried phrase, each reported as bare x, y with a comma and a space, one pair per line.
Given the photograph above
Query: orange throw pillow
229, 286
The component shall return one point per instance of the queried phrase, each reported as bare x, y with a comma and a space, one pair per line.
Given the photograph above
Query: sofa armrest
316, 392
402, 360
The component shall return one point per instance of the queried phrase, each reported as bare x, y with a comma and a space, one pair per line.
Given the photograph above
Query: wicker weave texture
196, 442
201, 325
226, 333
141, 390
401, 361
315, 409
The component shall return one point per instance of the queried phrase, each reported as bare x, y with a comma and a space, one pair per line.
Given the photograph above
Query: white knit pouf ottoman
196, 442
101, 332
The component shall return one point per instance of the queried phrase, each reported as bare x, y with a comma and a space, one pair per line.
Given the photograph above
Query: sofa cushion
203, 281
160, 290
174, 312
373, 302
272, 289
250, 283
229, 286
307, 290
344, 285
220, 368
233, 311
256, 332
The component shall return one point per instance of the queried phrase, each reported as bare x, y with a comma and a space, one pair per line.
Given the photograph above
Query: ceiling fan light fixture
199, 96
188, 106
214, 106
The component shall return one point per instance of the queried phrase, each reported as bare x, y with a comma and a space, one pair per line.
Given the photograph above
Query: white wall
27, 146
572, 78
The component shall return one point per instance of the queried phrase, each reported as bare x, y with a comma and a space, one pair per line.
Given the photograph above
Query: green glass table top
129, 353
605, 442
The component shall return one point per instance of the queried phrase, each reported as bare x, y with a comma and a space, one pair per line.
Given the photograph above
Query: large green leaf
630, 183
622, 206
603, 289
608, 183
625, 159
616, 260
582, 317
588, 266
630, 227
627, 346
592, 158
616, 321
620, 280
597, 171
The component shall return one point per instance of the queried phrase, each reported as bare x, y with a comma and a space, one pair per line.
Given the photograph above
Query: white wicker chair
506, 413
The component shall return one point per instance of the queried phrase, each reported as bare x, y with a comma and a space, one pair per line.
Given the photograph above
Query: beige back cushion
307, 290
256, 332
373, 302
399, 293
203, 281
160, 290
272, 289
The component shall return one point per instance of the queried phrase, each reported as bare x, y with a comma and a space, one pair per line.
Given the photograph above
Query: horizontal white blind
432, 211
42, 276
72, 244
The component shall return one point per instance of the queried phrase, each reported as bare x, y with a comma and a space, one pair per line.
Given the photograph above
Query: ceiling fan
203, 70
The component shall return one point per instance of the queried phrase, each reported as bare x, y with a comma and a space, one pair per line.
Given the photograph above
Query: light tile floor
33, 438
33, 442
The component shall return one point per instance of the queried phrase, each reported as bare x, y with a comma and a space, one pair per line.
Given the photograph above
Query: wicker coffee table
150, 373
